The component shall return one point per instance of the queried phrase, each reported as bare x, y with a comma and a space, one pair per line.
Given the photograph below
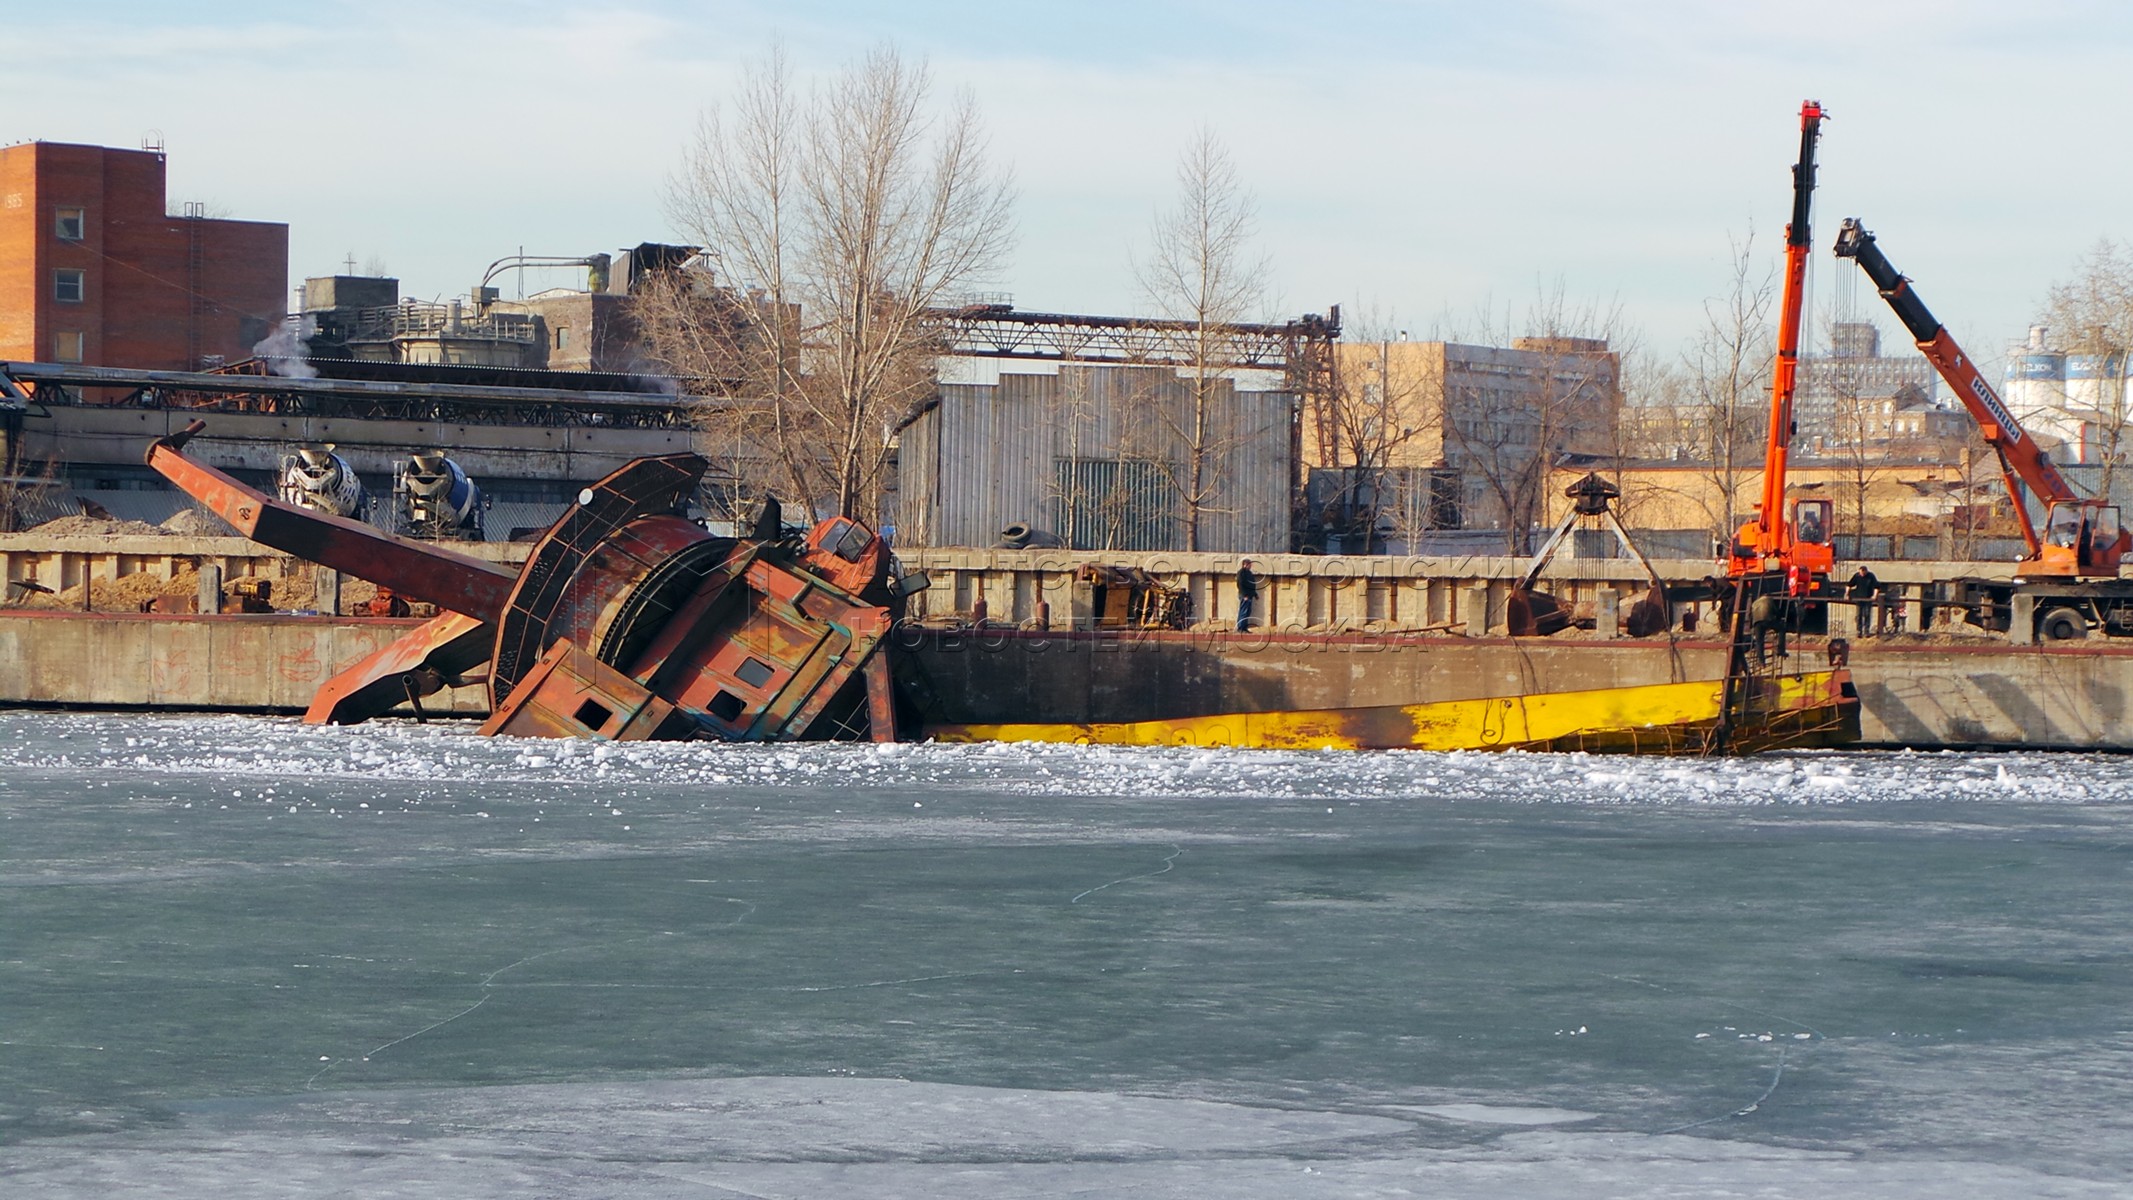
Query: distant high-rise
1852, 377
1854, 339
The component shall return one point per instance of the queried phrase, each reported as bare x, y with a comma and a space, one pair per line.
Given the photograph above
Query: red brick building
94, 269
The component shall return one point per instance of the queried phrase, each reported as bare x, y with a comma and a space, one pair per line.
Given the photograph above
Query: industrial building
1427, 436
95, 268
531, 439
2075, 403
365, 318
1111, 433
1094, 456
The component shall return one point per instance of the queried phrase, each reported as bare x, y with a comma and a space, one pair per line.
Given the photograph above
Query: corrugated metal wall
1097, 455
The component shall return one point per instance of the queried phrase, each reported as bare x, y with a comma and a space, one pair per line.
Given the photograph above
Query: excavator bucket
1529, 612
1649, 615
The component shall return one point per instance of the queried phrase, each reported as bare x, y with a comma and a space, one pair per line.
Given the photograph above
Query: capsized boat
1708, 699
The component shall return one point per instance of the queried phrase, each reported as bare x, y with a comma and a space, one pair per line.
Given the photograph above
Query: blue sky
1418, 158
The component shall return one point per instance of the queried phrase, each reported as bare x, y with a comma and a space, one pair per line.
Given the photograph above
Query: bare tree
1729, 366
1094, 465
1201, 268
1378, 411
832, 225
1968, 518
27, 489
2092, 314
1647, 428
1072, 493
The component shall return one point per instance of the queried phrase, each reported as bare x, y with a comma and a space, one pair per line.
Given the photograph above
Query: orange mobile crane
2071, 568
1793, 555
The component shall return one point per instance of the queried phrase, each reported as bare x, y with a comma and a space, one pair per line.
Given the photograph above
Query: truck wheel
2063, 625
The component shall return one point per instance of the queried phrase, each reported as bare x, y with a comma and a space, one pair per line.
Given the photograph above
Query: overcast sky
1421, 159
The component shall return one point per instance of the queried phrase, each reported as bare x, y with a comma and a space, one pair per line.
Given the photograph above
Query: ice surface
884, 1140
243, 957
1501, 1114
264, 750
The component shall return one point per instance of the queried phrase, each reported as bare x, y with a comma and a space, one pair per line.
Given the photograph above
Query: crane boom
1771, 541
2090, 542
1798, 243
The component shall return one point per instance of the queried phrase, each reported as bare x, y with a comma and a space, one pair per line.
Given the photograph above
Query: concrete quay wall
62, 562
249, 663
2055, 697
1376, 593
1364, 593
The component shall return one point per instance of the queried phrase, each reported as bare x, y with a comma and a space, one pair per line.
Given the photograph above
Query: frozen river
239, 957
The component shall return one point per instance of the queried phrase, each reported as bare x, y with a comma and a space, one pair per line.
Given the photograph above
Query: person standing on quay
1247, 595
1861, 591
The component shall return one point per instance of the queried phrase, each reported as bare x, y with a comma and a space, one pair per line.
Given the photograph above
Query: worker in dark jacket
1860, 590
1768, 615
1247, 595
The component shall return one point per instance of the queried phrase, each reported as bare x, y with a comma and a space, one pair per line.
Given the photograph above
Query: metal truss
367, 399
997, 331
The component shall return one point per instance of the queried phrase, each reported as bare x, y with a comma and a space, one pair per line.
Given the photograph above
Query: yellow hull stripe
1487, 724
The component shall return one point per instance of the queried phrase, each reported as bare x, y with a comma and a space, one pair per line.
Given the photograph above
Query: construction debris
1130, 598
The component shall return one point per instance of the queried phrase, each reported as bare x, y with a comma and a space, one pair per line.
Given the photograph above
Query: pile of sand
81, 526
195, 522
127, 594
192, 522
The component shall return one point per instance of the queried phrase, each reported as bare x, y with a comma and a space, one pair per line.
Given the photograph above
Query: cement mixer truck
322, 481
434, 499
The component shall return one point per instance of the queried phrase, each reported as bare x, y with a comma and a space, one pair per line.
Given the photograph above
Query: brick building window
69, 224
68, 286
66, 347
562, 337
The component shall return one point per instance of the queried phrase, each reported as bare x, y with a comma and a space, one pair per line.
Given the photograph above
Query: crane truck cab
2083, 539
1803, 541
